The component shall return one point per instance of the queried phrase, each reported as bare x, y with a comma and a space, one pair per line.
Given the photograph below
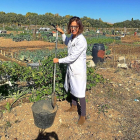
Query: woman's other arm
64, 37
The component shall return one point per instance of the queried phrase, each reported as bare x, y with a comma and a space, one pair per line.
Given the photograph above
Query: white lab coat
76, 69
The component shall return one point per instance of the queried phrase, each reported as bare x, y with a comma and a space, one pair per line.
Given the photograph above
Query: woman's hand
60, 30
55, 60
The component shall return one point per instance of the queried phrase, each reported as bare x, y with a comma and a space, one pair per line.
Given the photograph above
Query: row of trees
128, 24
47, 18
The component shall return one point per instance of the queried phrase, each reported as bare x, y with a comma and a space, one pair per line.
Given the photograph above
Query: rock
137, 84
121, 59
89, 57
110, 116
90, 60
114, 84
123, 65
127, 89
135, 64
91, 63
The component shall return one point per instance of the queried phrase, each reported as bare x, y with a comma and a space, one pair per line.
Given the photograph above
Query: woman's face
74, 28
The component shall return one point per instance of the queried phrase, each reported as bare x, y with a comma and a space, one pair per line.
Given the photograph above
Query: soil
44, 107
7, 43
112, 113
130, 39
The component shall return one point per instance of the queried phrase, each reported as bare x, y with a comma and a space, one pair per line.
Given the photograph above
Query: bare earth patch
7, 43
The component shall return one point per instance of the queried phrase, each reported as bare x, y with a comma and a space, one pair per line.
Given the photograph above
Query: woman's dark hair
78, 21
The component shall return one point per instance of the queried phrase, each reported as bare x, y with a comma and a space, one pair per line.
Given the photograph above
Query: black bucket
44, 113
98, 52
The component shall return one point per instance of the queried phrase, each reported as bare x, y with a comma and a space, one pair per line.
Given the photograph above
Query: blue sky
108, 10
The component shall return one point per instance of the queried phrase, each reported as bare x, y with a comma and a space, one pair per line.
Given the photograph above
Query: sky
111, 11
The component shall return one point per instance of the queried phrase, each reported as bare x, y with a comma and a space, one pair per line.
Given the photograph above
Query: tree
11, 18
20, 19
46, 19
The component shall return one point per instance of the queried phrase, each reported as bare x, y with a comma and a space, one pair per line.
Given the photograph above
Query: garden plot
112, 108
9, 47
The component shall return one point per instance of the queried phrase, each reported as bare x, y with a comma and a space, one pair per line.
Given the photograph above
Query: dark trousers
82, 104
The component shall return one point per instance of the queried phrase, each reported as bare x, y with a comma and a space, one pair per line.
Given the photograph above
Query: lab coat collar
76, 36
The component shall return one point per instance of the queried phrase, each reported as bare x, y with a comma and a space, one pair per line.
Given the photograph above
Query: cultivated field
113, 111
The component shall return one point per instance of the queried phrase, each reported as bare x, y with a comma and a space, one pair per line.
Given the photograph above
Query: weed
87, 101
17, 121
8, 106
103, 108
8, 124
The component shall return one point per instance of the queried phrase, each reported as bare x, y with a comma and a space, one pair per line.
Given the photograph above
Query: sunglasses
74, 27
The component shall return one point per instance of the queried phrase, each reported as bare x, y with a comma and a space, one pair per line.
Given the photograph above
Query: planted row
91, 40
7, 35
36, 55
19, 38
48, 36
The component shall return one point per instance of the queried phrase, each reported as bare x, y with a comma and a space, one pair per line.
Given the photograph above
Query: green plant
8, 106
87, 101
8, 124
135, 43
107, 50
103, 108
93, 78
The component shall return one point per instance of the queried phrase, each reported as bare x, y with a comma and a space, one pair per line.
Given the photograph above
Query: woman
76, 71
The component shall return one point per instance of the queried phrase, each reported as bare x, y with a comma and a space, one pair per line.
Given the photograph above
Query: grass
8, 106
